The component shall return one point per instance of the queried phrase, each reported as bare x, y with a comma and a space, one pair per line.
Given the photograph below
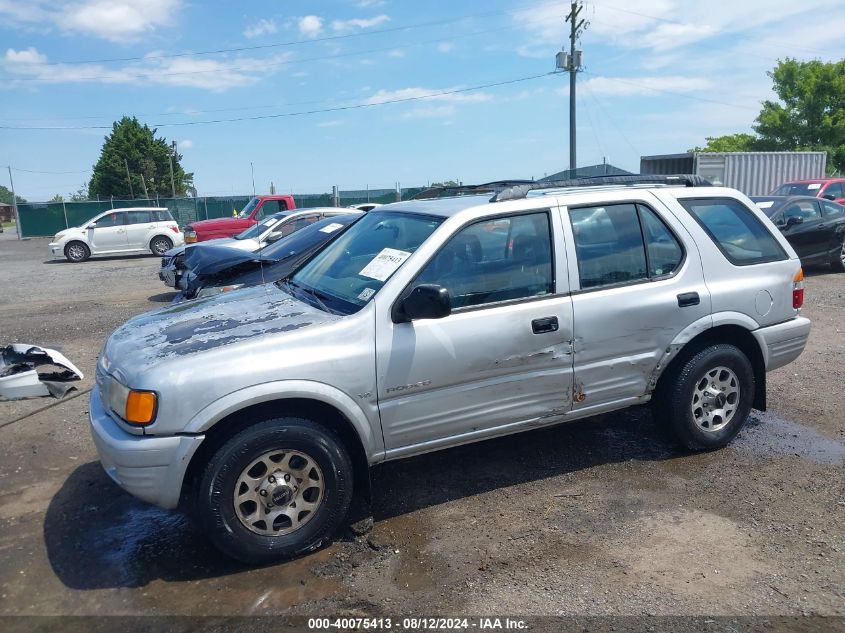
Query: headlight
133, 406
57, 237
216, 290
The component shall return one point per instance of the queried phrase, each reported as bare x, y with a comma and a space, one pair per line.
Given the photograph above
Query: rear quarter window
740, 235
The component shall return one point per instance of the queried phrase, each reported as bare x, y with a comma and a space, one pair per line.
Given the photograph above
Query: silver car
433, 323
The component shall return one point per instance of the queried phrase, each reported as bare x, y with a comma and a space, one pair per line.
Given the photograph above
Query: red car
828, 188
256, 210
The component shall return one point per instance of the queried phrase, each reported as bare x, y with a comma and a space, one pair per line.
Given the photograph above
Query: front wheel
160, 245
76, 252
278, 489
708, 401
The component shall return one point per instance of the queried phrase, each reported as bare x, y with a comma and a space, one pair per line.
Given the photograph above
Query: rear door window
835, 189
736, 230
139, 217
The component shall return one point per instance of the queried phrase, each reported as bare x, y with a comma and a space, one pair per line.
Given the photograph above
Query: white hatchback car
132, 230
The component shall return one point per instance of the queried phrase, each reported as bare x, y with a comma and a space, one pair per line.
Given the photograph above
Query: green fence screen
45, 219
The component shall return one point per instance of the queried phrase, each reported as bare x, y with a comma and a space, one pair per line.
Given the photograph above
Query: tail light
174, 228
798, 289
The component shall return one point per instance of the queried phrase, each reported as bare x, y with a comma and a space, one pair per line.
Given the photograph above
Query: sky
368, 93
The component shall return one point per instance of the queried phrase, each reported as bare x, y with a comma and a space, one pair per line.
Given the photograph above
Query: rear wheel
838, 262
77, 252
708, 401
275, 490
160, 245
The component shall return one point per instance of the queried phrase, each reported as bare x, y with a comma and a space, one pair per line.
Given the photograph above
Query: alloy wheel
279, 492
715, 399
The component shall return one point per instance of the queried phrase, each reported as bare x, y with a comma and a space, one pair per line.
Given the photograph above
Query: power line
671, 92
51, 173
139, 73
356, 106
327, 38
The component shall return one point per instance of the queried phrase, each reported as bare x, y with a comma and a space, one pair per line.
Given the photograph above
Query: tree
6, 196
136, 145
57, 198
811, 112
808, 116
740, 142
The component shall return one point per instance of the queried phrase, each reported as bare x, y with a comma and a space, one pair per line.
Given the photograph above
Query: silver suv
433, 323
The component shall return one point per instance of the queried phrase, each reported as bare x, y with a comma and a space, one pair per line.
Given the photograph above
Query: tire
699, 416
159, 245
838, 261
76, 252
239, 529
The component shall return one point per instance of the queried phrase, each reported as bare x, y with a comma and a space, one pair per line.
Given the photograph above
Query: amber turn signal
140, 407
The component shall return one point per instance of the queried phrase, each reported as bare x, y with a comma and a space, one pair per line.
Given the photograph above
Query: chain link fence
45, 219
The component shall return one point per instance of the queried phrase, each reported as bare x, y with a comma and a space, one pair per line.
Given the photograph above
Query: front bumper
56, 249
783, 343
149, 467
169, 275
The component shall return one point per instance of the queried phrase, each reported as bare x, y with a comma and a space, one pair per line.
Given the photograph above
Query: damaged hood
208, 260
207, 324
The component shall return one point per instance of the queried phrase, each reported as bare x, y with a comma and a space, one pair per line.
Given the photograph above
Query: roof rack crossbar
444, 190
518, 192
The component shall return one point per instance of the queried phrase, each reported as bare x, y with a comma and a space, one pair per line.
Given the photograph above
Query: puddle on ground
769, 434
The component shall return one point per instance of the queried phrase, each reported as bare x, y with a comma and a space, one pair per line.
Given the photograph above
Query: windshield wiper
308, 291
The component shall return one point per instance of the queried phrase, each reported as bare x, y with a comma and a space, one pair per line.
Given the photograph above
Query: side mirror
91, 225
273, 237
792, 220
426, 301
829, 196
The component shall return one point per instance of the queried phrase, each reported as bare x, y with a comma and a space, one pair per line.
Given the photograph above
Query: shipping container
753, 173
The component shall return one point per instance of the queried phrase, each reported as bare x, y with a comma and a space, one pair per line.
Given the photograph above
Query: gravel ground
596, 517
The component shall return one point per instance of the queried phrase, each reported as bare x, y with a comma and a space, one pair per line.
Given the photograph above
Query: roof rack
520, 191
457, 190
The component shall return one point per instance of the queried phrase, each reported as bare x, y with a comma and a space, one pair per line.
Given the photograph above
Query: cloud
310, 26
262, 27
643, 86
396, 52
185, 144
368, 4
215, 75
445, 47
342, 26
118, 19
332, 123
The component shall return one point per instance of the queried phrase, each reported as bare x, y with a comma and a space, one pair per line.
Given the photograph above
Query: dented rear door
633, 293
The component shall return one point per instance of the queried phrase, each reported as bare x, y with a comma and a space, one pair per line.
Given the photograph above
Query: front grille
164, 262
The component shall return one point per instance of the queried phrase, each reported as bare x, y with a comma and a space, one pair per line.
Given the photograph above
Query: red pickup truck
256, 210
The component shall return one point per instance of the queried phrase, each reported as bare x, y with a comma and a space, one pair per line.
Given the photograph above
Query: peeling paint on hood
188, 328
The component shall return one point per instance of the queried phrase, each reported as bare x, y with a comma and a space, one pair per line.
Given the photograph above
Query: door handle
547, 324
688, 299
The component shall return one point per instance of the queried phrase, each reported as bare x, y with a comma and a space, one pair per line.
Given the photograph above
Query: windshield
307, 238
353, 268
798, 189
257, 229
247, 210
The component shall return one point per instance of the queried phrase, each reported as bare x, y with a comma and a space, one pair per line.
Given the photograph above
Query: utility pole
128, 178
172, 181
571, 62
15, 204
252, 171
144, 185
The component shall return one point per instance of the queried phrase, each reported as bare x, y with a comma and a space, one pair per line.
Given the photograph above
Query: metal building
753, 173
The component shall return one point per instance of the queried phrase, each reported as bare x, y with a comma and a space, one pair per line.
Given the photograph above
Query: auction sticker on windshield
331, 228
814, 185
384, 264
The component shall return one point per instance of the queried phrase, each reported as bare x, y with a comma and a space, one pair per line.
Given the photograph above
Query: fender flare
370, 437
700, 326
